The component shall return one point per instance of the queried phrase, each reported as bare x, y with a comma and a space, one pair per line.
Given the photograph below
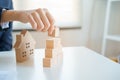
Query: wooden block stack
53, 49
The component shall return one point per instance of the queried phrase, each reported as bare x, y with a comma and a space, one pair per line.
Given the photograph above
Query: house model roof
22, 38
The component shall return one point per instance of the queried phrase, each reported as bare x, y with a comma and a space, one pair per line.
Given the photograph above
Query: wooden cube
55, 32
52, 43
50, 53
47, 62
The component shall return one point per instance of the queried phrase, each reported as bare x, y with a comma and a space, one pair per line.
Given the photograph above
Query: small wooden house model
24, 46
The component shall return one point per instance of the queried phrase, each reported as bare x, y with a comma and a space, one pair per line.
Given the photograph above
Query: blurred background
81, 22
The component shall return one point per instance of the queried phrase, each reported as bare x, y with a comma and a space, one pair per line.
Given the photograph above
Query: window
66, 12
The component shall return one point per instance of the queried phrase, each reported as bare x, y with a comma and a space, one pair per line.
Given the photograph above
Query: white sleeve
6, 24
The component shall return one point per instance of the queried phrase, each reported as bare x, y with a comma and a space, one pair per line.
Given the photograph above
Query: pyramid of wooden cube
53, 49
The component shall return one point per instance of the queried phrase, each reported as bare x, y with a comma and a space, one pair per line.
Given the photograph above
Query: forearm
10, 15
40, 19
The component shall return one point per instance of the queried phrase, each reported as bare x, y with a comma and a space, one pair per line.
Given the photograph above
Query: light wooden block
52, 43
50, 53
47, 62
55, 33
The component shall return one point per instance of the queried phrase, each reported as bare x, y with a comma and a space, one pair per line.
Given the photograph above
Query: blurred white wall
87, 11
97, 25
65, 12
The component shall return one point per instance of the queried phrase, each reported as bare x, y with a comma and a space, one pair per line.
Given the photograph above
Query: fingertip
51, 29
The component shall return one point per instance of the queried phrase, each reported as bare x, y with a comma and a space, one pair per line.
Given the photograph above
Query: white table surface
79, 63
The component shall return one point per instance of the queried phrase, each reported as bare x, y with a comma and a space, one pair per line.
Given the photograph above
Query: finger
44, 19
50, 17
32, 22
37, 19
51, 29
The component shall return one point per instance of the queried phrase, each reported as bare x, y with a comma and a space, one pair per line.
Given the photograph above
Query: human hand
40, 19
